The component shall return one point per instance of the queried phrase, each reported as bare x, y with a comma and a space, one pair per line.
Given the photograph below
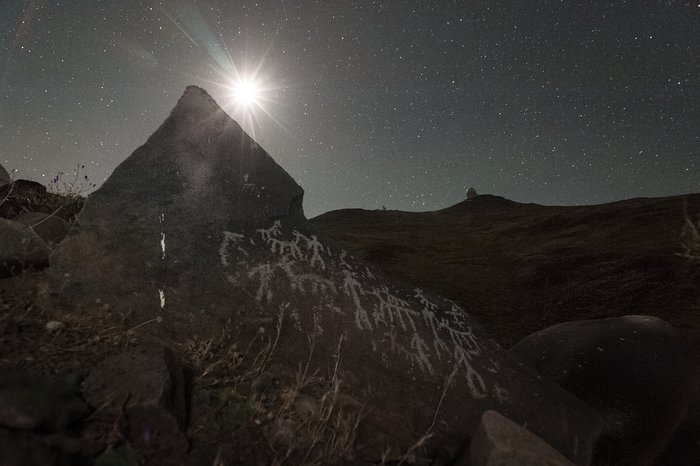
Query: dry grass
314, 430
410, 456
302, 418
71, 185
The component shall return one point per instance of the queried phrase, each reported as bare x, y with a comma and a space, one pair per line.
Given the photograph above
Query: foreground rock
29, 402
20, 249
201, 232
51, 228
147, 382
500, 441
22, 196
24, 448
636, 372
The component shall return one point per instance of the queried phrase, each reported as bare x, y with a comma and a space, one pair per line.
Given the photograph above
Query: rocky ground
54, 361
55, 364
525, 266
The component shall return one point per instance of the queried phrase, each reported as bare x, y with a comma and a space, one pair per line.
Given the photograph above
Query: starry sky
394, 103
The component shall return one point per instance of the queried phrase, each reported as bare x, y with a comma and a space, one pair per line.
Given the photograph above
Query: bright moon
249, 95
247, 92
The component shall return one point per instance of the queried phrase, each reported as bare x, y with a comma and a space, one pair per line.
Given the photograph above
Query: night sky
402, 104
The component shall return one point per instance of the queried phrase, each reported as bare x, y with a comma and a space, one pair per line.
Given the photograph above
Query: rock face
636, 372
201, 230
4, 176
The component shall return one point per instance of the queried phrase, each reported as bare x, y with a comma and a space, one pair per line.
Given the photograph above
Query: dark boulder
22, 196
31, 402
21, 448
51, 228
500, 441
635, 371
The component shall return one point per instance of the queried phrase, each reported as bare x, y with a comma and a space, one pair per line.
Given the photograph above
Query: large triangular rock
200, 229
5, 177
155, 226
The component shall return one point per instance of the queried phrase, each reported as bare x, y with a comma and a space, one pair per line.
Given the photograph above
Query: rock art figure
248, 256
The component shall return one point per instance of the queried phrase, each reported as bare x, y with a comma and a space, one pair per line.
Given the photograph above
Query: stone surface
498, 441
23, 449
200, 229
51, 228
31, 402
20, 248
635, 371
4, 176
148, 382
22, 196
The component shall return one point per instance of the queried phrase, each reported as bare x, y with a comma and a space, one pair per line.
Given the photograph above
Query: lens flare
247, 93
248, 89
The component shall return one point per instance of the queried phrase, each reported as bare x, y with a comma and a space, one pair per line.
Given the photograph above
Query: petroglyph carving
449, 339
305, 281
274, 231
474, 380
286, 247
501, 393
263, 272
229, 239
391, 308
296, 320
316, 248
422, 353
353, 288
462, 338
252, 190
343, 262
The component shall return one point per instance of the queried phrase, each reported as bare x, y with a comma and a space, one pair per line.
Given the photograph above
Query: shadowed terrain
524, 267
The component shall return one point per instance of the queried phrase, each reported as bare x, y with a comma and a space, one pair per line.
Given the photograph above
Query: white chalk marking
162, 236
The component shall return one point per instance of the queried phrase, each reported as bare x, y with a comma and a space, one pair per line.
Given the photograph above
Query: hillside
522, 267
